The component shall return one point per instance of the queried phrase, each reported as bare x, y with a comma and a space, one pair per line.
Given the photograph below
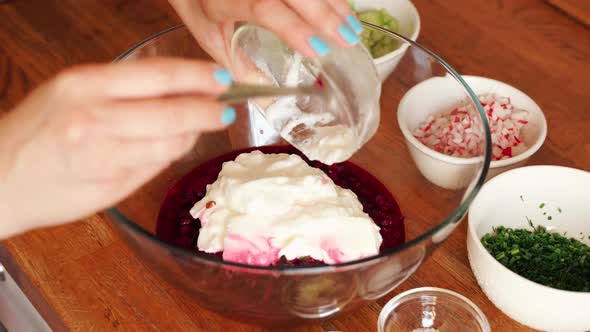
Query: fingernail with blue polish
222, 76
228, 116
354, 24
319, 46
350, 37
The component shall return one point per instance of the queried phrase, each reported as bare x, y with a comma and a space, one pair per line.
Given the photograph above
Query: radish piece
459, 133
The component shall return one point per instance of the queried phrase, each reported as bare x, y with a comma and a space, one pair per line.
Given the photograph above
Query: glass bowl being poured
416, 214
328, 127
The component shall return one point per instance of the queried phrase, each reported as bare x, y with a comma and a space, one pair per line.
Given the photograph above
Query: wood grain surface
82, 277
576, 8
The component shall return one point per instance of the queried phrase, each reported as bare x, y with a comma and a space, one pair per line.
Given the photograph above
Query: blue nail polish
319, 46
222, 76
350, 37
354, 24
228, 116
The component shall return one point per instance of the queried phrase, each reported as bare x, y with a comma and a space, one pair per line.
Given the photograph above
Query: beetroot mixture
175, 224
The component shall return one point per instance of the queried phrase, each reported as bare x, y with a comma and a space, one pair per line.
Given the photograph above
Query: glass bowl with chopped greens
397, 16
528, 245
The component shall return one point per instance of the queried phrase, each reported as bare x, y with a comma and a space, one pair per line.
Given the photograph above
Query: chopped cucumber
377, 42
373, 16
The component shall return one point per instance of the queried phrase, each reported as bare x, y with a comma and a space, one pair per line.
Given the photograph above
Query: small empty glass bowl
430, 309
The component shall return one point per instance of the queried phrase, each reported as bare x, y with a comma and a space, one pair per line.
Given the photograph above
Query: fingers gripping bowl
287, 295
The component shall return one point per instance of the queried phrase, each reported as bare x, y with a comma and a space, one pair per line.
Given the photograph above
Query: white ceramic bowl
438, 95
499, 203
409, 26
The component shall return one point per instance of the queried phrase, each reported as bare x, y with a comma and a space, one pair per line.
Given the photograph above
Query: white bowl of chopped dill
528, 245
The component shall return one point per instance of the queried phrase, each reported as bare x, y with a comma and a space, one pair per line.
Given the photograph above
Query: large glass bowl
271, 296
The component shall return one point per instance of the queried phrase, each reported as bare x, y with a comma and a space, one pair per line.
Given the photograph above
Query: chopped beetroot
306, 261
175, 224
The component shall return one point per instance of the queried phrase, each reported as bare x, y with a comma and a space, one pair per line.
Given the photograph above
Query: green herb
521, 198
544, 257
549, 218
559, 210
542, 205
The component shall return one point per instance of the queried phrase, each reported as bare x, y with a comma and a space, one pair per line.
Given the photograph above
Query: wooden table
82, 277
577, 9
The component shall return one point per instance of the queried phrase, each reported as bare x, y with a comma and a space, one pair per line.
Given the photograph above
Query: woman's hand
300, 23
94, 134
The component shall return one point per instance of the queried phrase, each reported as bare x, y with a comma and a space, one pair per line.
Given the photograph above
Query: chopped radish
459, 133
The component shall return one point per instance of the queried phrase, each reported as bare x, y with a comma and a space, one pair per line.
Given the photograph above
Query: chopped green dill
549, 218
529, 221
541, 256
559, 210
544, 213
542, 205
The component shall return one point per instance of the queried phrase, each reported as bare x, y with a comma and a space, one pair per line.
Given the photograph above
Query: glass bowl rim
413, 293
454, 216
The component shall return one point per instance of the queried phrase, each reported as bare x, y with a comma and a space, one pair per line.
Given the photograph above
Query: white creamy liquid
326, 139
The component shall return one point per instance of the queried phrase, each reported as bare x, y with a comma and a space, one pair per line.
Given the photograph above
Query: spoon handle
242, 92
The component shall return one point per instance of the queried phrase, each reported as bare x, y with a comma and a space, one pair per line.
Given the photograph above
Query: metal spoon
240, 92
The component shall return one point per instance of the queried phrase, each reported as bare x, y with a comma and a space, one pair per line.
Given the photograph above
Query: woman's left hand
302, 24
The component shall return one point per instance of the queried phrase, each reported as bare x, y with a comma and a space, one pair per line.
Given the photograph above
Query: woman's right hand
91, 136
